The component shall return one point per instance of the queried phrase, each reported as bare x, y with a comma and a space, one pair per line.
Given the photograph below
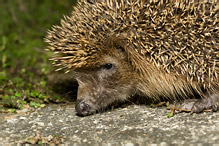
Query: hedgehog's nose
82, 108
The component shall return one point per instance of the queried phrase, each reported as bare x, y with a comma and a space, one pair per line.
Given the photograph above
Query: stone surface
134, 124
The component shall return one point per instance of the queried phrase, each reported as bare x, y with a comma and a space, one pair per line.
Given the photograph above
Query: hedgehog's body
157, 49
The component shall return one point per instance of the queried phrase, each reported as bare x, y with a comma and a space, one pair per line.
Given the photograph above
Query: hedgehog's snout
82, 107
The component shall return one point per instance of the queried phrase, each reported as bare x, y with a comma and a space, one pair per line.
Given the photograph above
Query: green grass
24, 65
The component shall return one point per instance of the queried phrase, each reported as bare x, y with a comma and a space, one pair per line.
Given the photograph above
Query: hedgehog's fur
176, 40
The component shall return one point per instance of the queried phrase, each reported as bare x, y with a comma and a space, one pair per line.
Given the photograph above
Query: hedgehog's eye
108, 66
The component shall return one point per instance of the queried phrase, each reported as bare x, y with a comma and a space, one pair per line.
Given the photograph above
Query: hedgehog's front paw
199, 105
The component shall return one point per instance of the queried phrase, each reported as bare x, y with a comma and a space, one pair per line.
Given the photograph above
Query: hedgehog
151, 49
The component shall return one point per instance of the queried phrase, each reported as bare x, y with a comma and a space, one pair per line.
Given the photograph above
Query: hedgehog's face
112, 81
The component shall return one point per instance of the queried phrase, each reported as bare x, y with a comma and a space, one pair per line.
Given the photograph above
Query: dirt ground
129, 126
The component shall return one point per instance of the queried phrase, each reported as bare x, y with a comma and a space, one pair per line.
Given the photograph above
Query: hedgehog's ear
118, 41
121, 42
135, 58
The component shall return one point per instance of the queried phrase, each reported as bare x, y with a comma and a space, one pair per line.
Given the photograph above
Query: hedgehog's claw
199, 105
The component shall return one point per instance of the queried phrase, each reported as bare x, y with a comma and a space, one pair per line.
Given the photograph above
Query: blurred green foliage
23, 27
24, 64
